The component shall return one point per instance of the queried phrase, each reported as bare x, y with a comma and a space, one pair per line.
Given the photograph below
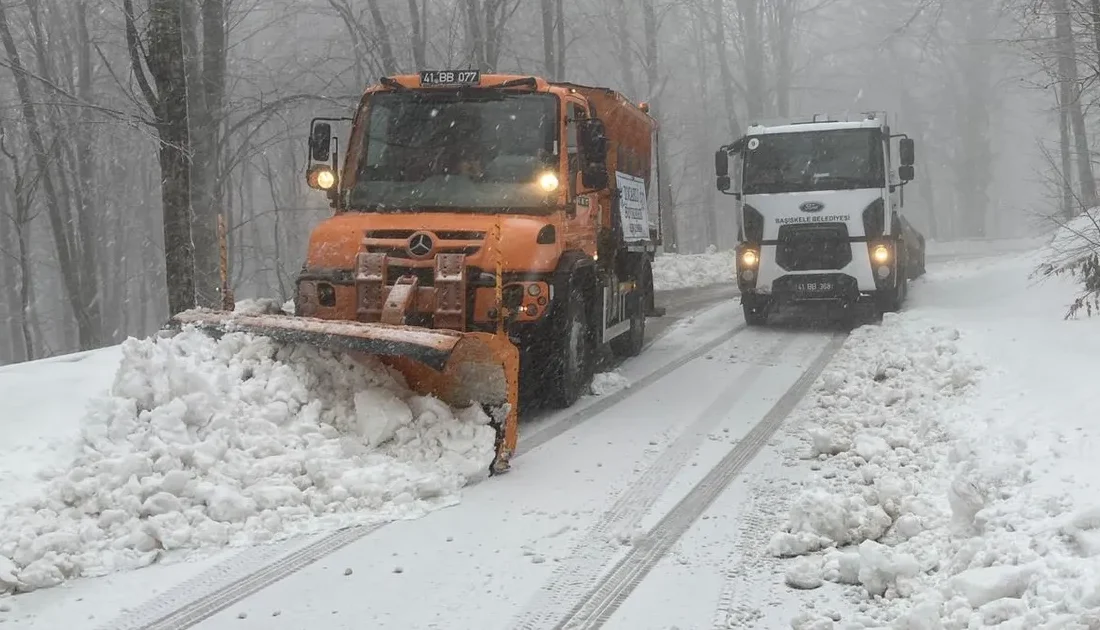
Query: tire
756, 312
630, 344
572, 352
894, 300
918, 269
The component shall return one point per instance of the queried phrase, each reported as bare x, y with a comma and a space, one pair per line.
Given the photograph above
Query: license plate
450, 77
817, 287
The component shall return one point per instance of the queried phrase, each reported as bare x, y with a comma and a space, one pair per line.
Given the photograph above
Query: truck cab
489, 203
820, 215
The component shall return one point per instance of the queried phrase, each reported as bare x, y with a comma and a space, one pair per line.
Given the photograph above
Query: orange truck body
528, 290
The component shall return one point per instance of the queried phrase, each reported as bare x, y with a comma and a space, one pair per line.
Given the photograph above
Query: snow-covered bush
1075, 250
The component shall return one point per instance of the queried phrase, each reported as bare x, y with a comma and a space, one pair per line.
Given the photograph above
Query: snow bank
948, 495
861, 426
205, 443
680, 271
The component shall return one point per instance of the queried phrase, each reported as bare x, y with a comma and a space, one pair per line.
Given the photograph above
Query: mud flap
461, 369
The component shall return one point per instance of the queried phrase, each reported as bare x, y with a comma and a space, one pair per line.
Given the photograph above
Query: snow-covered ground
938, 476
683, 271
203, 443
953, 454
981, 247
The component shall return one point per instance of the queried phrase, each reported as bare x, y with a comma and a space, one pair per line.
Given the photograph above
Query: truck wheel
756, 311
893, 300
917, 266
570, 363
630, 344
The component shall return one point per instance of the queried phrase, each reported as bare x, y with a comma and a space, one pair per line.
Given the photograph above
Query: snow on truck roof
756, 130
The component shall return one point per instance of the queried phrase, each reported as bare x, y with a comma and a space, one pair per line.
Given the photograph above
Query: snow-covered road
926, 473
618, 489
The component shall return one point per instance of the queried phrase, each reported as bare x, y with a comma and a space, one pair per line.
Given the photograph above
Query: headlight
548, 182
881, 254
321, 177
749, 258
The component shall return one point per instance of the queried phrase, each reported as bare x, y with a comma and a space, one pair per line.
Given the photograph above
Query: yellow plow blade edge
459, 368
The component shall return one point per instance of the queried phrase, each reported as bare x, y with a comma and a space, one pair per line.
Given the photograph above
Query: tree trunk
382, 34
418, 17
754, 57
653, 76
13, 238
548, 45
1071, 95
559, 25
782, 32
622, 47
169, 103
475, 36
91, 237
725, 74
1065, 153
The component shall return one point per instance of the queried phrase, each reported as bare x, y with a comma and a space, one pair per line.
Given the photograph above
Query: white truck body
820, 216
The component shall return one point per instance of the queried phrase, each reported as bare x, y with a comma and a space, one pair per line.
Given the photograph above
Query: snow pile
1074, 251
679, 271
205, 443
944, 501
879, 432
264, 306
606, 383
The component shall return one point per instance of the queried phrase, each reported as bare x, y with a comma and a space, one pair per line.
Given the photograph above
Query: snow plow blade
459, 368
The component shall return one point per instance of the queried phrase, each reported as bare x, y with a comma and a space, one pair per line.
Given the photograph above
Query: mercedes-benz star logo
812, 206
420, 244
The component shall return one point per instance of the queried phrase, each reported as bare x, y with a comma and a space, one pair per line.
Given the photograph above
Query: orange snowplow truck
491, 234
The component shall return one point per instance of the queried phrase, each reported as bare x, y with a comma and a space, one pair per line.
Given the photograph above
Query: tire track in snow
597, 606
738, 605
606, 402
597, 547
253, 570
216, 595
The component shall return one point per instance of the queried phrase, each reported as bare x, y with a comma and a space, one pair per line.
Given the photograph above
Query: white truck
820, 215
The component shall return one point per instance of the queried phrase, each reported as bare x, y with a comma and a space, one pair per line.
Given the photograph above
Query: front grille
394, 243
813, 247
400, 251
446, 235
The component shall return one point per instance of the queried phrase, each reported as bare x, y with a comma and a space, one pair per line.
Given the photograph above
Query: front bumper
448, 294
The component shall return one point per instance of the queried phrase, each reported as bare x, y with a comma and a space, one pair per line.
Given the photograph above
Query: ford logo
812, 206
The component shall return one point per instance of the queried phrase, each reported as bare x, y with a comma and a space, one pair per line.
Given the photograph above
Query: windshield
816, 160
470, 151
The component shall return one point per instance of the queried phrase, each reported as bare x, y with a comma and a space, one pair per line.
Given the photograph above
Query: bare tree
1070, 98
72, 237
162, 52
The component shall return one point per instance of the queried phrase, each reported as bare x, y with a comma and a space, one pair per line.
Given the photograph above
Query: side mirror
906, 173
320, 142
906, 152
722, 166
724, 183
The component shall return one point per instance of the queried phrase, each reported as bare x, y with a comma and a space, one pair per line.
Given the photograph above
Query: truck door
583, 210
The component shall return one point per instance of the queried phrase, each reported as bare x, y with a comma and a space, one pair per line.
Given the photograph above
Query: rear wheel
570, 363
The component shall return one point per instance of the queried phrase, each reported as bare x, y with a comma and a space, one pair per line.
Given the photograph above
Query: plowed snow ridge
203, 443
